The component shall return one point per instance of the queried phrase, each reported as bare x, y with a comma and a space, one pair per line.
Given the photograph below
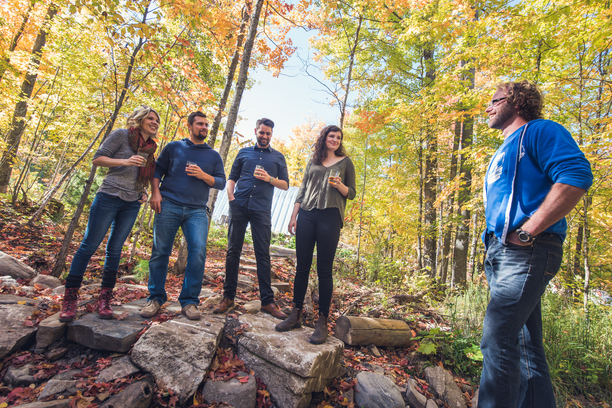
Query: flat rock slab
14, 310
63, 403
112, 334
136, 305
281, 252
282, 286
444, 387
20, 376
377, 391
46, 281
414, 397
120, 368
248, 269
10, 266
178, 352
49, 331
291, 367
245, 284
232, 392
58, 387
248, 261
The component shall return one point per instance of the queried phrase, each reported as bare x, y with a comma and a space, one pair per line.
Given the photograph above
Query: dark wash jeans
261, 230
194, 223
323, 228
106, 212
515, 372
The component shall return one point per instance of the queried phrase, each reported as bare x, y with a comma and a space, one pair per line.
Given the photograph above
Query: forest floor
37, 245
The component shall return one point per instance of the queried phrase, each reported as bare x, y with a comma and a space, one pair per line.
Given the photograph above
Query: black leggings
323, 228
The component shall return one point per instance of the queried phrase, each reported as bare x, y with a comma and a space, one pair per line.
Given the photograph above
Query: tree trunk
450, 203
460, 253
21, 109
430, 178
241, 83
350, 73
138, 232
363, 331
181, 261
585, 249
60, 262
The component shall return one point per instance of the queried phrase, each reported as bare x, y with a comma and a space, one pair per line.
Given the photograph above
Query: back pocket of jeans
553, 264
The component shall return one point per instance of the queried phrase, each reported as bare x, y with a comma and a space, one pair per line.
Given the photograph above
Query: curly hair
526, 97
139, 115
320, 148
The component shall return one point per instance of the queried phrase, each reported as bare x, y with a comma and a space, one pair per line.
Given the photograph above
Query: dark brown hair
526, 97
193, 115
320, 149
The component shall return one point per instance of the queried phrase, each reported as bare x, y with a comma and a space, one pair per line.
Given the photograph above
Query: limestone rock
14, 268
278, 251
112, 334
245, 284
59, 291
128, 279
253, 307
414, 397
248, 269
49, 331
211, 302
19, 376
58, 387
248, 261
282, 286
444, 387
14, 334
56, 354
47, 281
290, 366
475, 399
120, 368
205, 293
136, 395
377, 391
8, 281
431, 404
232, 392
178, 352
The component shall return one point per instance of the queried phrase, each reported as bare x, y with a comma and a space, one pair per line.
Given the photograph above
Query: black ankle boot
320, 334
294, 321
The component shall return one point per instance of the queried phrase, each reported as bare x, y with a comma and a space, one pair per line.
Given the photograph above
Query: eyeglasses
495, 102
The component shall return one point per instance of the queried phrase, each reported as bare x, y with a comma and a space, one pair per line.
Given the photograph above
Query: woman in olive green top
329, 179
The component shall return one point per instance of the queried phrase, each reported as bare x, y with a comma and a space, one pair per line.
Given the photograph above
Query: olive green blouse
316, 192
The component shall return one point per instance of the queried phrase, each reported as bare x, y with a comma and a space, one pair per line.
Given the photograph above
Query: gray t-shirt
119, 181
316, 192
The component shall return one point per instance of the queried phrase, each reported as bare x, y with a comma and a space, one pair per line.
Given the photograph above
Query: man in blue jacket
256, 171
186, 169
534, 180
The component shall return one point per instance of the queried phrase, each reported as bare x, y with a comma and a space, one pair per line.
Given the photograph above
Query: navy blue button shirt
250, 192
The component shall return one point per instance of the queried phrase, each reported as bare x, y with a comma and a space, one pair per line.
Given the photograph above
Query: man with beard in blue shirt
250, 188
534, 180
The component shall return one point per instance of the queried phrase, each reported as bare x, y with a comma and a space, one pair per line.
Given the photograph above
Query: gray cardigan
315, 191
119, 181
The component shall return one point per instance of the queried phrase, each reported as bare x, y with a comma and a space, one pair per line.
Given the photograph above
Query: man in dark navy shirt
250, 187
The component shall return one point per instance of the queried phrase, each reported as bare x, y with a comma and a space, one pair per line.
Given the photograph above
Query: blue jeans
515, 372
261, 229
194, 223
106, 212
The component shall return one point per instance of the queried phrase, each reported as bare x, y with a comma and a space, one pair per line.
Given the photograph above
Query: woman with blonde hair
128, 153
318, 214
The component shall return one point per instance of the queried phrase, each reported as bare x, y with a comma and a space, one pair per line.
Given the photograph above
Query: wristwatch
524, 236
271, 178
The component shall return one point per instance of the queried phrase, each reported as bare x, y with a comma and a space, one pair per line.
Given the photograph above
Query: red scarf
139, 144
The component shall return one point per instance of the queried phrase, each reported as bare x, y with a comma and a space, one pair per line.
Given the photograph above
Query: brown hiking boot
191, 312
273, 310
320, 334
104, 303
294, 321
69, 305
150, 309
224, 306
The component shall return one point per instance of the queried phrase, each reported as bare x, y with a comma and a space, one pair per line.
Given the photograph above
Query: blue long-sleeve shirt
251, 192
181, 188
513, 192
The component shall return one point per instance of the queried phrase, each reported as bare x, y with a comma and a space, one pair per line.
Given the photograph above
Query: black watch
524, 236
